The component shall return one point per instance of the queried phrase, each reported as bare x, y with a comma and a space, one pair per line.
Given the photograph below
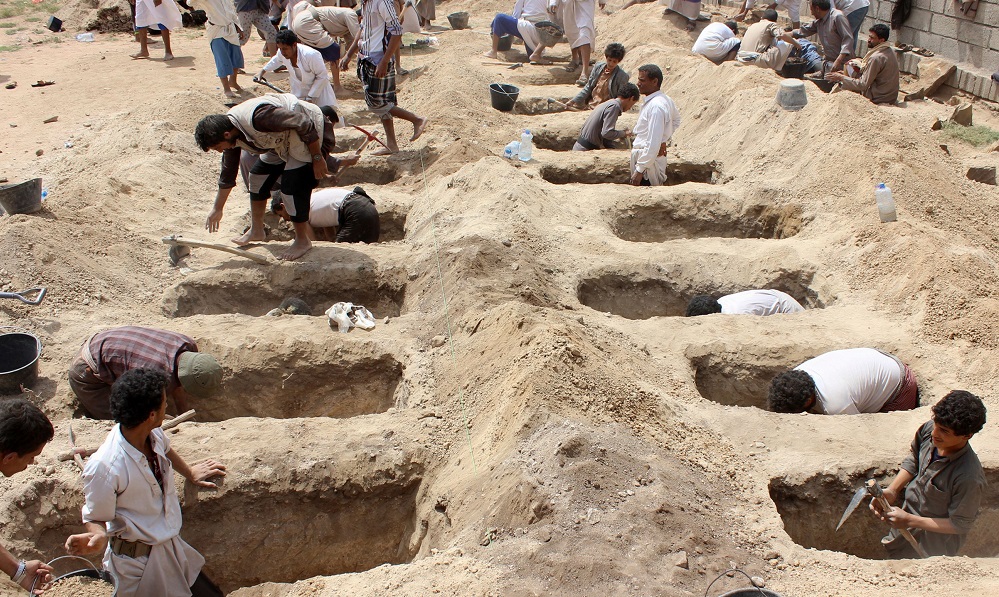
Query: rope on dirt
447, 318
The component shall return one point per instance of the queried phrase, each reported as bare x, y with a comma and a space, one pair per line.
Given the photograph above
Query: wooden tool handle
187, 416
886, 507
179, 240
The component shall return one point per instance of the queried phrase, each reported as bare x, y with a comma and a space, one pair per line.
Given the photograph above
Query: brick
944, 25
994, 39
950, 48
973, 33
919, 20
939, 6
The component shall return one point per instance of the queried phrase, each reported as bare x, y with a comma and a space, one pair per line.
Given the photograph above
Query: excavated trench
704, 215
37, 525
735, 383
618, 172
288, 534
293, 383
635, 296
345, 276
811, 510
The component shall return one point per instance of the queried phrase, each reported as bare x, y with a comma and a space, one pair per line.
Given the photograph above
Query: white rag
347, 315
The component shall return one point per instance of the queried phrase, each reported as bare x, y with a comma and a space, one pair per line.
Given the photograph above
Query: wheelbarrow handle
20, 295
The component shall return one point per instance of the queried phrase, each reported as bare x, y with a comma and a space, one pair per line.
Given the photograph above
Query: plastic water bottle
886, 205
85, 36
45, 193
511, 150
526, 146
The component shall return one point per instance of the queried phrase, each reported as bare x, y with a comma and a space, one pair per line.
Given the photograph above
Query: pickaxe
264, 82
871, 488
371, 137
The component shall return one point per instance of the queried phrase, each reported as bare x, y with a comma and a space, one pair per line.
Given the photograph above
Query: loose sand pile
531, 415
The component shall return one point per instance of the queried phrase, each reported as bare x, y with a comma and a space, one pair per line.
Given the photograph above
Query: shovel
24, 299
265, 83
871, 488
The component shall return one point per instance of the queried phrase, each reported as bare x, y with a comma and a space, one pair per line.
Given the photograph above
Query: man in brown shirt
834, 32
762, 38
941, 480
878, 77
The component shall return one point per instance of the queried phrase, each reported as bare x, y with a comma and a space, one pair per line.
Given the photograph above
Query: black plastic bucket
91, 572
458, 20
19, 352
54, 25
505, 43
503, 96
751, 591
22, 198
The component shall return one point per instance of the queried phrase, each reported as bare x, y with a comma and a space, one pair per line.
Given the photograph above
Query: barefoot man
162, 14
292, 140
379, 40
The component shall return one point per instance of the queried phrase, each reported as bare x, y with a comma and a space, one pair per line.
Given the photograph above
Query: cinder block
973, 33
919, 20
949, 48
939, 6
994, 39
944, 25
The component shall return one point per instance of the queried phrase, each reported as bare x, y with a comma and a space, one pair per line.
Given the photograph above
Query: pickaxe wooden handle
176, 239
875, 490
72, 444
371, 136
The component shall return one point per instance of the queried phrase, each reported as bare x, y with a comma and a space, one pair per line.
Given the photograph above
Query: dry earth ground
530, 416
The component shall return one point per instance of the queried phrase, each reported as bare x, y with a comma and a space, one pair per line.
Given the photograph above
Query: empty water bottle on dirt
886, 205
85, 36
526, 146
511, 150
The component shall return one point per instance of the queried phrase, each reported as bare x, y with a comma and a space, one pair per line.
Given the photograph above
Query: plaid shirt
125, 348
379, 22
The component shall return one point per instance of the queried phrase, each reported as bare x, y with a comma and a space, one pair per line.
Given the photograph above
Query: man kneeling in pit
845, 382
131, 510
749, 302
338, 215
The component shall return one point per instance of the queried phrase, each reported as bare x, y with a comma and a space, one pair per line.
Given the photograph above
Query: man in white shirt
845, 382
306, 70
378, 42
351, 212
718, 42
520, 23
131, 510
749, 302
657, 121
320, 26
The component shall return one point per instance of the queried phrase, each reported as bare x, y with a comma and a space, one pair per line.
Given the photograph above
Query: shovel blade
858, 497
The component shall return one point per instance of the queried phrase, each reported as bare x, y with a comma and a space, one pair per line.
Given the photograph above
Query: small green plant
7, 25
974, 135
9, 48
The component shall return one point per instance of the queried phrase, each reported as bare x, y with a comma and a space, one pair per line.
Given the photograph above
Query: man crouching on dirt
292, 139
132, 512
942, 481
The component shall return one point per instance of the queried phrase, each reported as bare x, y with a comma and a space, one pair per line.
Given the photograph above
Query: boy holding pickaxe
941, 481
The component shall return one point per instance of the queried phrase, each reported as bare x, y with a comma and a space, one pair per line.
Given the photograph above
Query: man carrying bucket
24, 431
131, 509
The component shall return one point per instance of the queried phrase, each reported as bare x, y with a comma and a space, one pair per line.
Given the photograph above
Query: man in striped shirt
107, 355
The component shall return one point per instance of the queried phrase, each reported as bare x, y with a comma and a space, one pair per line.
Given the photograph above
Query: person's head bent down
629, 96
138, 399
791, 392
24, 431
820, 8
199, 374
702, 304
877, 35
287, 43
216, 132
613, 55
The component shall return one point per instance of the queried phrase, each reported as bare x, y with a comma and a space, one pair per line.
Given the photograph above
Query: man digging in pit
108, 355
940, 482
845, 382
24, 431
131, 509
657, 122
292, 140
599, 131
747, 302
338, 215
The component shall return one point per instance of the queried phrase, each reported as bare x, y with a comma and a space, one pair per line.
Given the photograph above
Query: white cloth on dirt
715, 42
310, 81
759, 302
121, 491
167, 14
578, 21
657, 122
223, 22
854, 380
347, 315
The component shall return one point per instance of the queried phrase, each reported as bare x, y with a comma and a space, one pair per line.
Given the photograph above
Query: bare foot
385, 151
338, 91
418, 128
297, 249
230, 94
248, 237
140, 55
167, 57
490, 54
237, 88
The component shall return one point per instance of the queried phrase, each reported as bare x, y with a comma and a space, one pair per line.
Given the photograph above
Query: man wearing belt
24, 431
351, 213
656, 124
131, 509
599, 130
107, 355
941, 481
845, 382
292, 140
